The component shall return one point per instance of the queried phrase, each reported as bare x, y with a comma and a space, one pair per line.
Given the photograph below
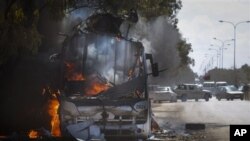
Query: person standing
246, 92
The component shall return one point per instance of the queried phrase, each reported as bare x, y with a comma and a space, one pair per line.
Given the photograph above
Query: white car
218, 85
210, 86
163, 94
191, 91
221, 83
229, 93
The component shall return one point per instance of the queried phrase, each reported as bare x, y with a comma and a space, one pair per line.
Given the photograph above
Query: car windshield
164, 89
94, 65
221, 84
161, 89
208, 84
231, 88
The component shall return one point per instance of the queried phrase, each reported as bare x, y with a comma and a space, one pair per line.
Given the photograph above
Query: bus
104, 87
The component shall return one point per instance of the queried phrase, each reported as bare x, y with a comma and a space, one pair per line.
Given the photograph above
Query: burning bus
104, 90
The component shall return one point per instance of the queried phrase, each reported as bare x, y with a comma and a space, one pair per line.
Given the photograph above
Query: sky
199, 25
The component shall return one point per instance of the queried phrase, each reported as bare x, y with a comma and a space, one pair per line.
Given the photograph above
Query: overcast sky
199, 24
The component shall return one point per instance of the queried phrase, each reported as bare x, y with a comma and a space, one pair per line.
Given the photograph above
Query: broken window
93, 64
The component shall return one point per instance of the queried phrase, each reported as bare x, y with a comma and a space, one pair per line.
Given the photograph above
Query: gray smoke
160, 38
75, 17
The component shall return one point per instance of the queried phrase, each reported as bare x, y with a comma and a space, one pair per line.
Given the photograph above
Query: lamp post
222, 48
205, 63
209, 61
234, 26
218, 54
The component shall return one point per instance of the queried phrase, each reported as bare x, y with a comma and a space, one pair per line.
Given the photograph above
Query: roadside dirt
216, 115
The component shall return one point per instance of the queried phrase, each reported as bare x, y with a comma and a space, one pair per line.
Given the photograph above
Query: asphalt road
216, 115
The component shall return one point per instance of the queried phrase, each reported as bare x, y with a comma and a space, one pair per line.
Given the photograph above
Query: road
216, 115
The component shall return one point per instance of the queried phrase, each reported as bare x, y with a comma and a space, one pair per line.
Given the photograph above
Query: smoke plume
160, 38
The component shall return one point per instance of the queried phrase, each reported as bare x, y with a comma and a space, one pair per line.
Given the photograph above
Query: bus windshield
93, 64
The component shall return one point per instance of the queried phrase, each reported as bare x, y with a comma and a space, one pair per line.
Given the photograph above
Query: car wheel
183, 98
196, 99
241, 98
206, 97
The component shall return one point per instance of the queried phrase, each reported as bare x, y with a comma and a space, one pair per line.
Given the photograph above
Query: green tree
184, 48
18, 26
246, 70
19, 34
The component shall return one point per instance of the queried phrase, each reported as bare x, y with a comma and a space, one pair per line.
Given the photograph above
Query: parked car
241, 87
192, 91
218, 85
229, 93
210, 86
163, 94
152, 88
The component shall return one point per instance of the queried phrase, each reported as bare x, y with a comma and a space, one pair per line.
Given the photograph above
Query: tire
241, 98
184, 98
219, 98
206, 97
196, 99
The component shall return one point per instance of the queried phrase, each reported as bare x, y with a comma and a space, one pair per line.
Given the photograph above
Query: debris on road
195, 126
172, 135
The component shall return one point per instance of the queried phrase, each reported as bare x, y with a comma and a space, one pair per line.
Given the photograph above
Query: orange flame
55, 122
75, 76
71, 73
33, 134
96, 88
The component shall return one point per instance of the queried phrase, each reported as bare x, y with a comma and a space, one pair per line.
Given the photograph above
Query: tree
147, 8
184, 48
18, 26
19, 19
246, 70
19, 34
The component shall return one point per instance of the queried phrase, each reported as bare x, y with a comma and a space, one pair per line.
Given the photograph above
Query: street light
222, 48
218, 54
208, 63
234, 26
